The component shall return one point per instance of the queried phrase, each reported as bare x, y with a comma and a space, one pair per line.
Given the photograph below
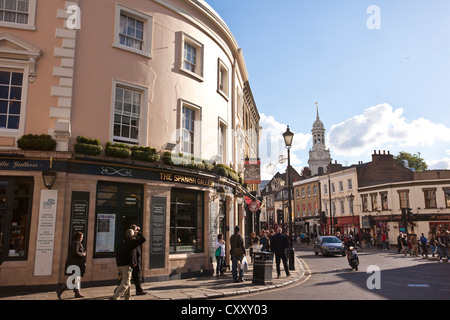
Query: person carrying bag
237, 252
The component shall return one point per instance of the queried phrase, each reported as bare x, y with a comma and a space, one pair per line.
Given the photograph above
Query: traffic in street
382, 275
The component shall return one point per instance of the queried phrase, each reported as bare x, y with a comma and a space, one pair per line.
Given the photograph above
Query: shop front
347, 225
180, 212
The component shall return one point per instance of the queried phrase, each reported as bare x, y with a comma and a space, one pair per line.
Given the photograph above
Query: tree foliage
414, 161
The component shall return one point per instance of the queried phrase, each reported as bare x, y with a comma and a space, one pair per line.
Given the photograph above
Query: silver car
329, 245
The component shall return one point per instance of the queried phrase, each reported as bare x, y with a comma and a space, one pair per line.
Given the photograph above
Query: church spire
317, 107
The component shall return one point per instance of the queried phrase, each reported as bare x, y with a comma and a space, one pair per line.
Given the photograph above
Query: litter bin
262, 267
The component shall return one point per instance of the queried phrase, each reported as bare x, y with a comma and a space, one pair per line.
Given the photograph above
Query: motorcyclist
349, 243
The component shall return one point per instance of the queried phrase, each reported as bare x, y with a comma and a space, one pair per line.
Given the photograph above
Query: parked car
329, 245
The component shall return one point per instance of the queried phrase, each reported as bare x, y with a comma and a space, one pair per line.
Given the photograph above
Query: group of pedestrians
267, 241
128, 260
412, 244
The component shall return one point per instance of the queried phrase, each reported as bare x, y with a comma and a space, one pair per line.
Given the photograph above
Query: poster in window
106, 226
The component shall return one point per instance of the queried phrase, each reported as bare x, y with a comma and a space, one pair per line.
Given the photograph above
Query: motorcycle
352, 256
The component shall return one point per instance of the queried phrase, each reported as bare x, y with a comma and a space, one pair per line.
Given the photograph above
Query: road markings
418, 285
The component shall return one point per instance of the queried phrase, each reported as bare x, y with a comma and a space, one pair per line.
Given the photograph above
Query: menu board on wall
214, 219
79, 214
106, 226
158, 232
46, 233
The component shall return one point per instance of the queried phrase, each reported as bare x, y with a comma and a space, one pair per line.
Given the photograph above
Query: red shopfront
347, 225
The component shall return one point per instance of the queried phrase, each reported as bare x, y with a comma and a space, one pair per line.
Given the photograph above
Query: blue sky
377, 89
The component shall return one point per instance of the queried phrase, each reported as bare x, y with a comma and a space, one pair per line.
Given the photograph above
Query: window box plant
87, 146
42, 142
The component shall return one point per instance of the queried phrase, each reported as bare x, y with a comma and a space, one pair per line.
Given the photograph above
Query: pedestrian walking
424, 244
76, 256
279, 244
443, 243
237, 251
399, 242
414, 246
383, 241
125, 260
137, 266
432, 243
404, 241
264, 241
220, 254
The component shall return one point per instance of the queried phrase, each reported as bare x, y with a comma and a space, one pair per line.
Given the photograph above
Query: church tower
319, 155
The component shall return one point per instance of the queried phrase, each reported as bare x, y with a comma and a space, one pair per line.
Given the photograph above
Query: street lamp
49, 176
351, 197
288, 136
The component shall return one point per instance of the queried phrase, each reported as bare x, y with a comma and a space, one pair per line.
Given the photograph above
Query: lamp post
288, 136
351, 197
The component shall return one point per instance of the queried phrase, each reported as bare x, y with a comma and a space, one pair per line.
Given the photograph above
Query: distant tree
414, 161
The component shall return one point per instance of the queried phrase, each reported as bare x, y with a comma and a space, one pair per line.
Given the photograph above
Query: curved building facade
163, 76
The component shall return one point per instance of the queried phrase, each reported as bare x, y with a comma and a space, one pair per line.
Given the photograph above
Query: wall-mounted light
49, 176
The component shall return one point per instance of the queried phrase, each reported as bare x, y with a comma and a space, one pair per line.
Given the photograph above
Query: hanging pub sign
252, 173
254, 206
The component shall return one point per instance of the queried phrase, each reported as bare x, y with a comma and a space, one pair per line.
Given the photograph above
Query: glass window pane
14, 108
4, 92
16, 79
2, 121
15, 93
3, 106
5, 77
13, 122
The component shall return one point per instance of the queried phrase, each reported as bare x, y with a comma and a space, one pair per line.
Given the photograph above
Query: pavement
199, 288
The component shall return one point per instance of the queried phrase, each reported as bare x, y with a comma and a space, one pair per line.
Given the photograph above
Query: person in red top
383, 240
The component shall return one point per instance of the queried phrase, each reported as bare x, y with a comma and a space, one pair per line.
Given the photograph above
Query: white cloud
379, 126
272, 146
443, 164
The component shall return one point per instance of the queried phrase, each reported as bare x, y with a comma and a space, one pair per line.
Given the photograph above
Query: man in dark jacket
278, 244
137, 265
125, 258
443, 244
237, 252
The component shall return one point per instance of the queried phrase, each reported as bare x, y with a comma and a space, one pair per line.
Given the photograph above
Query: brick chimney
386, 157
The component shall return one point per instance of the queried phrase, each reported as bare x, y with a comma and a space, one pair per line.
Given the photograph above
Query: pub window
10, 99
128, 113
18, 14
186, 221
222, 80
16, 197
384, 201
133, 31
365, 203
190, 138
192, 61
430, 198
118, 206
404, 198
447, 198
374, 201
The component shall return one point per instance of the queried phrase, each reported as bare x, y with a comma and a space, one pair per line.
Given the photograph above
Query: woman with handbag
237, 252
75, 257
220, 255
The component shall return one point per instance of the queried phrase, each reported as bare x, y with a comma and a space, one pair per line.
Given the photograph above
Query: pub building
170, 80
